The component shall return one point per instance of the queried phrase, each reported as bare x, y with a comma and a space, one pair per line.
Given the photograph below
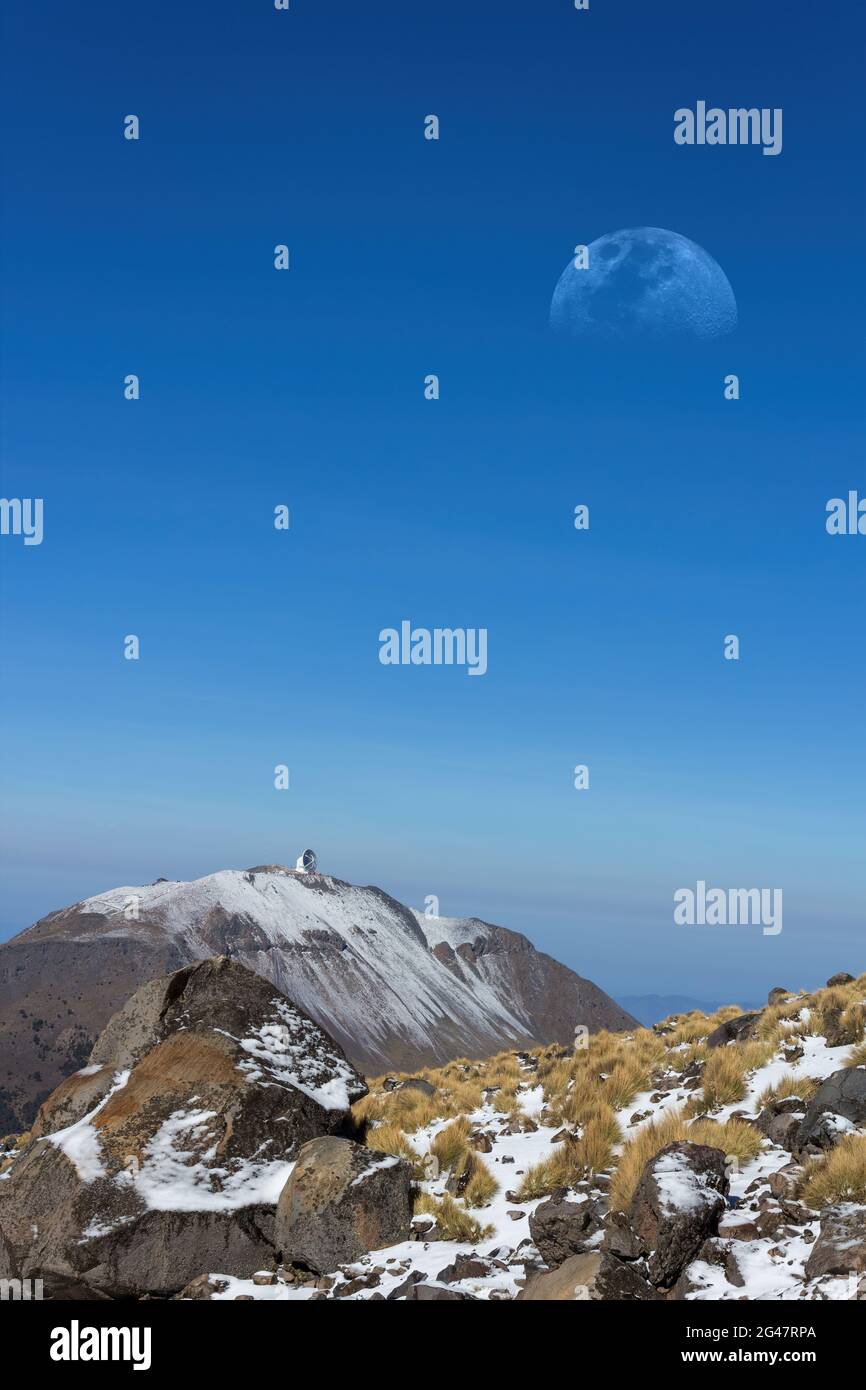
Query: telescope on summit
307, 862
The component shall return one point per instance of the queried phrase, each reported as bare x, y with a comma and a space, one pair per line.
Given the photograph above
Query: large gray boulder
838, 1105
176, 1169
342, 1200
676, 1206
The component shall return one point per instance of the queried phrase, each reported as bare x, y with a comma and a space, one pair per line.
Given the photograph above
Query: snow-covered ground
771, 1267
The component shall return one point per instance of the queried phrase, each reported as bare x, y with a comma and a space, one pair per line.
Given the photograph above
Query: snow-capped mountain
396, 988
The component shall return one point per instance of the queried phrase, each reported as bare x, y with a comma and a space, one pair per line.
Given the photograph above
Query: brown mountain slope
394, 988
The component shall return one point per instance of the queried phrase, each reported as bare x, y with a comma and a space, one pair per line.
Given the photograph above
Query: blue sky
305, 388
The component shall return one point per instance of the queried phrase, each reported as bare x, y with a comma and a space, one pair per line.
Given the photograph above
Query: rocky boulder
575, 1279
838, 1105
675, 1208
465, 1267
780, 1121
215, 1082
841, 1246
340, 1201
736, 1029
721, 1254
676, 1205
561, 1228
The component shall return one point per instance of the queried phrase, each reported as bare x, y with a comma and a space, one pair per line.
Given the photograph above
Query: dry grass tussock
839, 1177
452, 1150
388, 1138
789, 1085
727, 1070
453, 1220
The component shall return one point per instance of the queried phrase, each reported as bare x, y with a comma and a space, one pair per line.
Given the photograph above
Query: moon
644, 282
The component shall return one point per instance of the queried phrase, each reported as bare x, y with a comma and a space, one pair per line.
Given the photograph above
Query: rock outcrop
341, 1201
576, 1279
166, 1156
840, 1249
675, 1208
837, 1107
562, 1226
733, 1030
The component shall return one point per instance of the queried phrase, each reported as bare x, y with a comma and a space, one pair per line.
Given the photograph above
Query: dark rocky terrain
219, 1145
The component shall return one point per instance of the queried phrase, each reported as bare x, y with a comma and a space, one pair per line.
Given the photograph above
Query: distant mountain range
651, 1008
395, 988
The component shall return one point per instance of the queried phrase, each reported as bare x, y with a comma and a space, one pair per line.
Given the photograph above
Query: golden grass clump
460, 1097
852, 1022
388, 1138
839, 1011
560, 1170
771, 1025
637, 1152
504, 1071
840, 1177
593, 1152
574, 1159
626, 1078
788, 1085
649, 1048
584, 1093
689, 1028
857, 1056
725, 1074
451, 1143
678, 1062
453, 1221
368, 1109
411, 1109
482, 1186
755, 1054
724, 1077
735, 1138
451, 1148
505, 1102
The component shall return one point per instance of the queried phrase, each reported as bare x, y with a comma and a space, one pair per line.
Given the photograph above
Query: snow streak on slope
353, 958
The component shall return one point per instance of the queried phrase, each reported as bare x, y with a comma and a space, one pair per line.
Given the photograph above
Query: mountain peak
396, 988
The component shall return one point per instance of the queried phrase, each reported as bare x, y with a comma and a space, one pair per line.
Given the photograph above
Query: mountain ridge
396, 988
